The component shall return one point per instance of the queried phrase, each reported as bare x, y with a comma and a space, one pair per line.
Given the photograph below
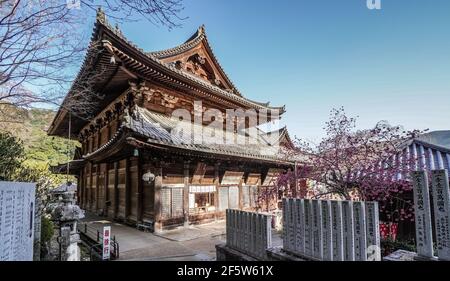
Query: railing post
98, 236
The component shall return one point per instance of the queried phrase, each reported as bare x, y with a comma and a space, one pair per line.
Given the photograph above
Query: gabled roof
133, 63
198, 39
280, 137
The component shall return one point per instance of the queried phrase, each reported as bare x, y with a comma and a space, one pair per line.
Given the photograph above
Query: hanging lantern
148, 177
136, 152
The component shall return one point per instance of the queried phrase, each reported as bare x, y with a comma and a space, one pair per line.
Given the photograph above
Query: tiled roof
197, 38
156, 56
153, 67
161, 130
192, 78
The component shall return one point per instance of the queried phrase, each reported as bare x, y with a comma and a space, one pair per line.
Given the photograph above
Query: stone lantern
66, 213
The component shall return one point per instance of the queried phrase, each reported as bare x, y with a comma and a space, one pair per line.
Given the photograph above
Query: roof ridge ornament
101, 17
119, 32
201, 29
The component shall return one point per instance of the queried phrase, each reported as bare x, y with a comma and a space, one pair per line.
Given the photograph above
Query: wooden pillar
91, 188
108, 130
127, 188
116, 188
83, 182
139, 194
99, 138
186, 193
106, 191
81, 189
241, 194
97, 169
158, 186
217, 183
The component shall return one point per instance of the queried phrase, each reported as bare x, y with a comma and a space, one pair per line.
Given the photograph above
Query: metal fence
93, 238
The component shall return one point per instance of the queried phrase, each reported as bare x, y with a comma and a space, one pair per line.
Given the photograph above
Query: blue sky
312, 55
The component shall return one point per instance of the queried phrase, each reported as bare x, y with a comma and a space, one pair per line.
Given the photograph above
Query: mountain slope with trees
30, 126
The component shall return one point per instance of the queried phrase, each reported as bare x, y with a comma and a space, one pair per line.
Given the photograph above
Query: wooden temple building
129, 167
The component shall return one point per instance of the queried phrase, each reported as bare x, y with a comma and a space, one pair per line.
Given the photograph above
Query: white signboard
106, 242
17, 213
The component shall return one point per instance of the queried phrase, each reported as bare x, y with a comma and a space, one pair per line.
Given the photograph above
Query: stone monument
17, 215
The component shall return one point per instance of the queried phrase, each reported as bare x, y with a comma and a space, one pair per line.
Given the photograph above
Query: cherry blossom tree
356, 164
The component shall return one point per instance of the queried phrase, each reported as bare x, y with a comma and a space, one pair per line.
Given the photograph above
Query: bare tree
42, 42
84, 98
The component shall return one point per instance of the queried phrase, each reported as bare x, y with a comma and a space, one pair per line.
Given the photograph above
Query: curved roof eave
102, 24
197, 38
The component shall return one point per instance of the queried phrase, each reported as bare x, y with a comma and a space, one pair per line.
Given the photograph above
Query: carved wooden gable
199, 61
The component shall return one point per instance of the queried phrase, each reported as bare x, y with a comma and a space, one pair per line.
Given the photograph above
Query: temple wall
181, 192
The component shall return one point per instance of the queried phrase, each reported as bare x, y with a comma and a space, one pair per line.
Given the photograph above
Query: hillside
30, 126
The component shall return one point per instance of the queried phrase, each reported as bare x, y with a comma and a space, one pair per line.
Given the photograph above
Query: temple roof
159, 131
280, 136
197, 40
131, 63
200, 39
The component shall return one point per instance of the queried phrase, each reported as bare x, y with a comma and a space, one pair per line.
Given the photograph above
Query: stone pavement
195, 243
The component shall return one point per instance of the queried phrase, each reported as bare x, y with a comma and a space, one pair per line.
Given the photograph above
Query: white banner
106, 242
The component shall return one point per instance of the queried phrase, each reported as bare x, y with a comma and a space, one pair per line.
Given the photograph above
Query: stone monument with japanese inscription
17, 214
331, 230
441, 201
424, 236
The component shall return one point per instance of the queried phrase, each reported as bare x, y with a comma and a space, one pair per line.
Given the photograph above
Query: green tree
11, 155
47, 232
